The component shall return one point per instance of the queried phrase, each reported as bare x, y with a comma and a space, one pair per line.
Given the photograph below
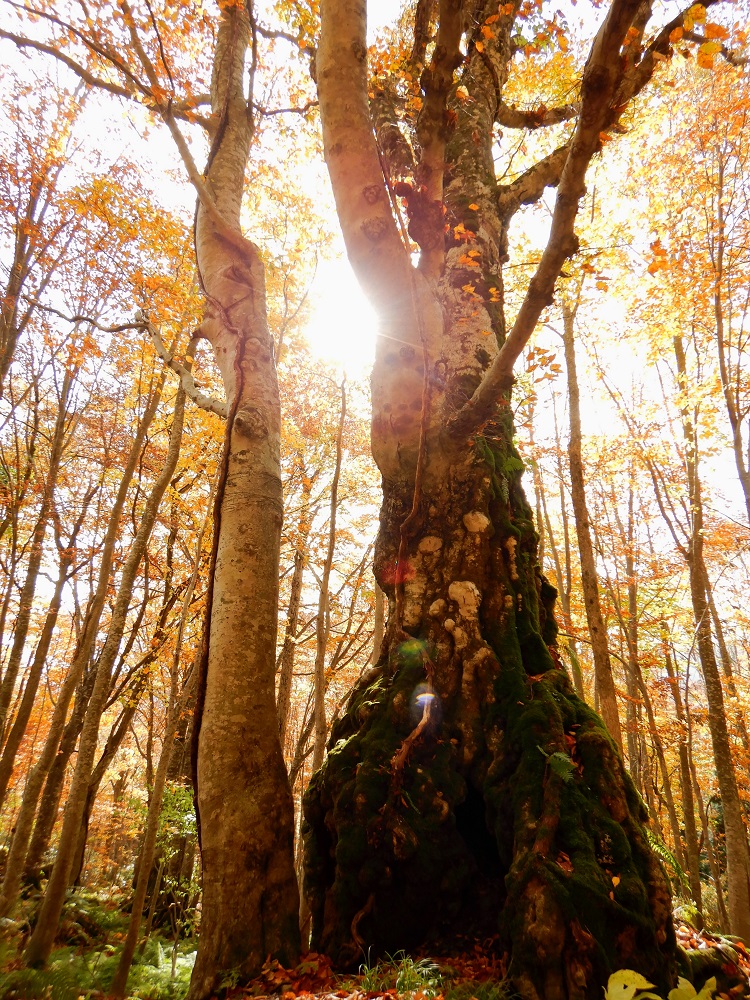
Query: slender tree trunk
21, 721
81, 658
605, 683
26, 599
289, 648
322, 628
146, 859
726, 665
112, 745
564, 581
132, 696
42, 938
713, 861
738, 859
731, 387
244, 804
55, 780
686, 782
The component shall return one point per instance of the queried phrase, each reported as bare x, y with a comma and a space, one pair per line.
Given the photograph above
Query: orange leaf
713, 30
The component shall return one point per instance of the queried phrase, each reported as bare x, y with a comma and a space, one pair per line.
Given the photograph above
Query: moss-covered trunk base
507, 809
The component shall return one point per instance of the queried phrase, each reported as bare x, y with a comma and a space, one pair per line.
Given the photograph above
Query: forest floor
477, 973
82, 967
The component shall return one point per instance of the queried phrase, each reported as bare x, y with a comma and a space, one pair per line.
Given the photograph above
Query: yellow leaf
473, 207
479, 46
697, 13
710, 48
467, 288
623, 984
676, 35
487, 32
462, 93
615, 880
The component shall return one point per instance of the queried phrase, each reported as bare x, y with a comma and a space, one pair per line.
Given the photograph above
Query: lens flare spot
424, 697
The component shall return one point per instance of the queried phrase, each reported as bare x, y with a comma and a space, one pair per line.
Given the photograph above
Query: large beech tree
467, 784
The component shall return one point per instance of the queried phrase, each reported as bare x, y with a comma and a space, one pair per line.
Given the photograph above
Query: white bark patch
470, 666
467, 596
414, 592
475, 521
460, 639
510, 545
430, 543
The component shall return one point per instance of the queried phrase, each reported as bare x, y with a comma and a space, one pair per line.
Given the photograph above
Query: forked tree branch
529, 186
609, 83
601, 80
513, 118
211, 403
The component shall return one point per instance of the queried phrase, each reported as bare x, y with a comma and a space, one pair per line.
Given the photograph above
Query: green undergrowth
403, 974
85, 965
72, 974
423, 979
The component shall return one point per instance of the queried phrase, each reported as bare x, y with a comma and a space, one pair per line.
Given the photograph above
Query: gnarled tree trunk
467, 787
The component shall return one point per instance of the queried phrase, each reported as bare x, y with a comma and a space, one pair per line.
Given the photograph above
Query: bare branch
266, 113
602, 78
141, 322
183, 110
210, 403
528, 188
542, 117
272, 33
84, 74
